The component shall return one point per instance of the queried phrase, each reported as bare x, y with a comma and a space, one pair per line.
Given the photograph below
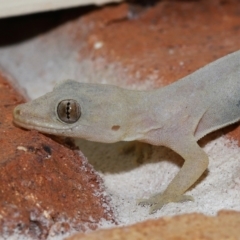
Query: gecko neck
140, 110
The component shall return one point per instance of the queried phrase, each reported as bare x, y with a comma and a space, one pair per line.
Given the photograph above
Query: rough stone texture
185, 227
47, 189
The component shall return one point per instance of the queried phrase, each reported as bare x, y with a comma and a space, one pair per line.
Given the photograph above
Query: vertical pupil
68, 110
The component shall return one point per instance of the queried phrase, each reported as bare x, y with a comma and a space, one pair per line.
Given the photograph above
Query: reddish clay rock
185, 227
46, 188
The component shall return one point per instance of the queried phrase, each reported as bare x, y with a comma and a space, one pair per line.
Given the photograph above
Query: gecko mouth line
39, 127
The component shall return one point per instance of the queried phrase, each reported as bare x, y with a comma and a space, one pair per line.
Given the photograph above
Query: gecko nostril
17, 111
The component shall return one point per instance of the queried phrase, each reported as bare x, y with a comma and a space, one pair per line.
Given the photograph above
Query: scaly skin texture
175, 116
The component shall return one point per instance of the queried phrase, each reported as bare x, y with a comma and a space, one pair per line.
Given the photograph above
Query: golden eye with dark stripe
69, 111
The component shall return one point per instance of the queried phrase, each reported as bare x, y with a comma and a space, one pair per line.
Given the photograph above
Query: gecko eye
69, 111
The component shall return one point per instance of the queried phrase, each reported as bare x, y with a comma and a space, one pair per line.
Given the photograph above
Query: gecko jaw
38, 124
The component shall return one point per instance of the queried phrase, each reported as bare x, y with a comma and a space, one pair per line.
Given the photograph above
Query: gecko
175, 116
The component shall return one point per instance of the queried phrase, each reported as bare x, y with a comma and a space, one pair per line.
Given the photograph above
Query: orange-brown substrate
45, 187
193, 226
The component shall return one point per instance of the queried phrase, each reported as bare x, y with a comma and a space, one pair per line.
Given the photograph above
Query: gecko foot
158, 201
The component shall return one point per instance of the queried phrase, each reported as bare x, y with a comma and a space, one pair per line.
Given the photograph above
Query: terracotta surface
47, 189
185, 227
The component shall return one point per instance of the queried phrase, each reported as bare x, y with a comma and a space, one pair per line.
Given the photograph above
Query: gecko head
73, 109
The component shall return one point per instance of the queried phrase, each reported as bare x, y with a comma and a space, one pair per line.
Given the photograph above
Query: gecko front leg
196, 162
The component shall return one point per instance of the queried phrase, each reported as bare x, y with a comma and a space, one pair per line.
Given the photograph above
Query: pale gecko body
175, 116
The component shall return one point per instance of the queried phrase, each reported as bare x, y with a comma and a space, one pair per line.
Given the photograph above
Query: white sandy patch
126, 180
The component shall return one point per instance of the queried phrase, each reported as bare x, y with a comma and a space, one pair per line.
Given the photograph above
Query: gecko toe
147, 201
158, 201
184, 198
156, 207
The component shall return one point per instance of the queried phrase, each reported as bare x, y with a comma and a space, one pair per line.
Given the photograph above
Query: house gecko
175, 116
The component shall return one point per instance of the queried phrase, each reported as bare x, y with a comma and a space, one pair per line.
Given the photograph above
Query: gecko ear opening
69, 111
